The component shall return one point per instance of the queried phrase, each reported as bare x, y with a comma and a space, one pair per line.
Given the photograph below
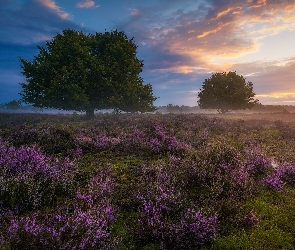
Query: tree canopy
226, 91
83, 72
13, 105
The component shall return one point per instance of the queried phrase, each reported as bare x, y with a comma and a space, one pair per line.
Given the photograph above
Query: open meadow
149, 181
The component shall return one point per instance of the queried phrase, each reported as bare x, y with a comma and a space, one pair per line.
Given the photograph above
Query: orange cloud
236, 35
87, 4
278, 95
52, 5
220, 27
224, 12
233, 10
258, 4
135, 12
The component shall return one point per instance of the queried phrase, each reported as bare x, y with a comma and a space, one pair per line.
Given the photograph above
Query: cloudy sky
182, 42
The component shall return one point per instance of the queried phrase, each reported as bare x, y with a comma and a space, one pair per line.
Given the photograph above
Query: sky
182, 42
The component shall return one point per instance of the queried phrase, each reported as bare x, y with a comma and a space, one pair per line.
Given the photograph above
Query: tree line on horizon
17, 105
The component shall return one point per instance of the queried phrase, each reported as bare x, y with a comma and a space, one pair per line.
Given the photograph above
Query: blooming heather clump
138, 134
24, 135
274, 181
135, 142
220, 174
86, 225
197, 226
282, 176
51, 139
287, 174
30, 179
257, 164
90, 223
155, 145
105, 142
28, 232
161, 141
164, 217
203, 136
74, 153
100, 187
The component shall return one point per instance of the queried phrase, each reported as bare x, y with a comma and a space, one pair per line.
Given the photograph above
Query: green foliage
13, 105
82, 72
257, 239
226, 91
121, 230
276, 228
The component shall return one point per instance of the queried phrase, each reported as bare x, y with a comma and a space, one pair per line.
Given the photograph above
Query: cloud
52, 6
273, 81
219, 27
32, 22
135, 12
277, 95
212, 30
87, 4
277, 98
23, 26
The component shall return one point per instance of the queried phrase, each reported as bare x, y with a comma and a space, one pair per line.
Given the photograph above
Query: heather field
150, 181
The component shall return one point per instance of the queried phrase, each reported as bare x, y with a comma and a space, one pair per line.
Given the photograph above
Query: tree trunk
90, 113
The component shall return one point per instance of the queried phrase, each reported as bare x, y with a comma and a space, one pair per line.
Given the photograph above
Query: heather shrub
165, 217
155, 140
85, 223
280, 177
220, 153
274, 181
287, 174
57, 140
162, 142
258, 164
135, 142
221, 173
50, 139
29, 179
105, 142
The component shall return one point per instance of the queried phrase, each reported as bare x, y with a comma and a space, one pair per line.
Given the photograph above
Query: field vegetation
149, 181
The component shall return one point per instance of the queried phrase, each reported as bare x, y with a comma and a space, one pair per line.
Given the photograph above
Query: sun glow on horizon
277, 95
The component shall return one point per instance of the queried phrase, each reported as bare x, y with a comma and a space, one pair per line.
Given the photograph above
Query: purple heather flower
251, 219
274, 181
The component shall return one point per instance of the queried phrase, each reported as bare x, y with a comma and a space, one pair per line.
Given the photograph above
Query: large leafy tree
226, 91
83, 72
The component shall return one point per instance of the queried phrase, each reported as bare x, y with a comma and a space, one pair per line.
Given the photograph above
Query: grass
276, 212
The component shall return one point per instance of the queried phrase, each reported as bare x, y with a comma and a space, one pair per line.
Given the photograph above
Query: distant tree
226, 91
170, 108
82, 72
174, 108
13, 105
